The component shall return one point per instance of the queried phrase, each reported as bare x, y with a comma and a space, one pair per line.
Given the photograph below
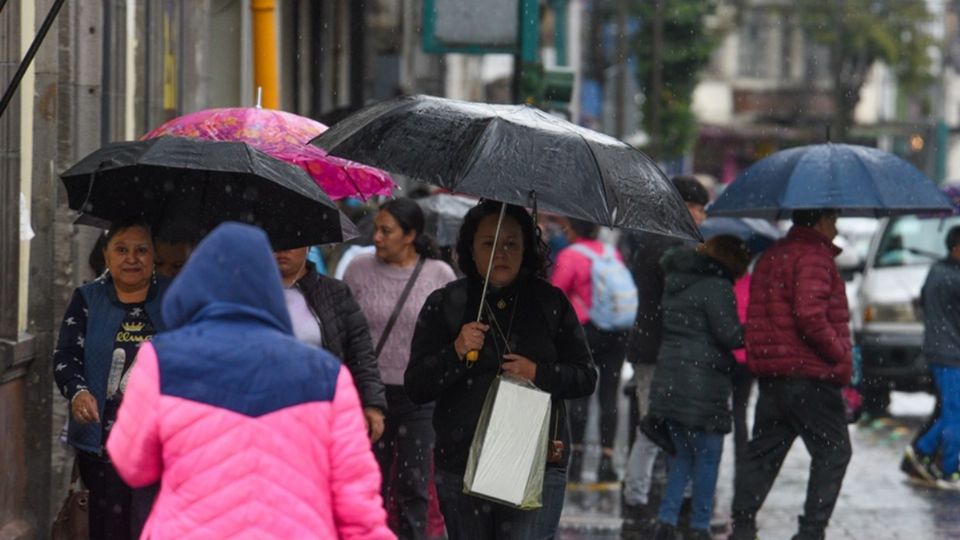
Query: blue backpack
614, 294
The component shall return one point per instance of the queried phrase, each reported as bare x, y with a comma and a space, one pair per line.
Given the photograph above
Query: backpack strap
585, 251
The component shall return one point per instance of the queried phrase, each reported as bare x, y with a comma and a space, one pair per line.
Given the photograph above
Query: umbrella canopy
757, 234
514, 154
443, 214
284, 136
176, 180
856, 180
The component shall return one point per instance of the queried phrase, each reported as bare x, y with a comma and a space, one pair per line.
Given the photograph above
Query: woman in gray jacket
693, 378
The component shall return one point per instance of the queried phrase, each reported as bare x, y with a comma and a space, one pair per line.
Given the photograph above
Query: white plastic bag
508, 455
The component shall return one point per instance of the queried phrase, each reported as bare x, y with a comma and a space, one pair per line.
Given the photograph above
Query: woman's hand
519, 366
470, 338
84, 408
374, 417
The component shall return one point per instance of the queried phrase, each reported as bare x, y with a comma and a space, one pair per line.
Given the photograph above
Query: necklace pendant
502, 304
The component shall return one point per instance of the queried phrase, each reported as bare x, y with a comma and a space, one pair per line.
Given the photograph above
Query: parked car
854, 236
888, 326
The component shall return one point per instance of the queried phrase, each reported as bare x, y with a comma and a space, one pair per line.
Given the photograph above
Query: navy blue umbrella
757, 234
856, 180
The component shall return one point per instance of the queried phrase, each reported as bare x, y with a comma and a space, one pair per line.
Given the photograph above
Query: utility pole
656, 83
528, 46
265, 52
620, 92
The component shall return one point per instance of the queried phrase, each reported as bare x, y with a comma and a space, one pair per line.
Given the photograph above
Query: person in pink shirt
742, 379
572, 275
250, 433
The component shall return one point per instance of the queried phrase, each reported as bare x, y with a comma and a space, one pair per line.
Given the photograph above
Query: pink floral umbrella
284, 136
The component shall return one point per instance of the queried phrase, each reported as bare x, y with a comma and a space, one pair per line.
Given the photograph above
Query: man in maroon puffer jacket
798, 345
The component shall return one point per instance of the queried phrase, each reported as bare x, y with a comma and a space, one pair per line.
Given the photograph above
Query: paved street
876, 502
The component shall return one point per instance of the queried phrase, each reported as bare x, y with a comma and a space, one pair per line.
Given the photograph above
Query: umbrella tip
828, 133
259, 97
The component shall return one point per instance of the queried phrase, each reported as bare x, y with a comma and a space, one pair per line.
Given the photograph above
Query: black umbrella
203, 183
514, 154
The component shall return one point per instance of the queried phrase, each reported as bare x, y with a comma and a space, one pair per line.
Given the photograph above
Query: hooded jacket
797, 321
251, 433
692, 381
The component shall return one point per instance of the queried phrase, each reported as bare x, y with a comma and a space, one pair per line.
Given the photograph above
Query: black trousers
406, 448
110, 499
742, 385
787, 409
609, 350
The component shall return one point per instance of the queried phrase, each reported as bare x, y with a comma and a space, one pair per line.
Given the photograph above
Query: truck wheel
876, 401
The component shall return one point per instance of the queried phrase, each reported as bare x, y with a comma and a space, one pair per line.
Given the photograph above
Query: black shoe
576, 466
743, 530
697, 534
665, 531
686, 508
643, 529
605, 472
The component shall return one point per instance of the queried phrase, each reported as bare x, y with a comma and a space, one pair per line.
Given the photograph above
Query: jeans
944, 434
407, 443
697, 461
472, 518
643, 454
788, 408
608, 349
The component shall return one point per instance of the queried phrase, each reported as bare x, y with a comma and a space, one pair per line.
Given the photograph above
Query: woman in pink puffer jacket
251, 434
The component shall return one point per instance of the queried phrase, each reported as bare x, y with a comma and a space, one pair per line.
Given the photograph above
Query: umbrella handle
473, 355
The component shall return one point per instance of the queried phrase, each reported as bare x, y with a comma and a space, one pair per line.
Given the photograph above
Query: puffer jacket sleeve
354, 473
574, 375
134, 443
722, 316
358, 351
434, 364
811, 298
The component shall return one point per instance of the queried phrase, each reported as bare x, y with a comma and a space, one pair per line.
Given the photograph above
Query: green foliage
687, 46
861, 32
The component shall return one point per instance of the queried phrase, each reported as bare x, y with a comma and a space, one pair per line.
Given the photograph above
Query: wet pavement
876, 502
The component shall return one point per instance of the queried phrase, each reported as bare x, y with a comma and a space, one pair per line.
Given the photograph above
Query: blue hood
233, 272
229, 342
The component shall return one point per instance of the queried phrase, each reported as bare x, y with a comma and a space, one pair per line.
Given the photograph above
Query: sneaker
950, 481
606, 472
916, 465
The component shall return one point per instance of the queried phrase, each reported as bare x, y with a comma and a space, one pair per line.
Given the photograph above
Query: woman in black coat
693, 379
530, 331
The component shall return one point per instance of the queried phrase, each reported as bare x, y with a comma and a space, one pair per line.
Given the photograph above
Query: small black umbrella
514, 154
203, 183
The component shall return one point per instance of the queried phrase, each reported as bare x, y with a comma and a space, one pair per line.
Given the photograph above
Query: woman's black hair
535, 259
124, 224
409, 216
584, 229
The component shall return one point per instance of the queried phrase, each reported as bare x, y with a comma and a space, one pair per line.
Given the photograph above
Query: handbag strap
75, 474
398, 307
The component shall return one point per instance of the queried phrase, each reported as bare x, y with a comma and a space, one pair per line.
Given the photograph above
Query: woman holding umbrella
391, 286
529, 330
102, 329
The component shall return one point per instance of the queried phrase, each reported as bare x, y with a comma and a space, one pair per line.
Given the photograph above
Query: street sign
470, 27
